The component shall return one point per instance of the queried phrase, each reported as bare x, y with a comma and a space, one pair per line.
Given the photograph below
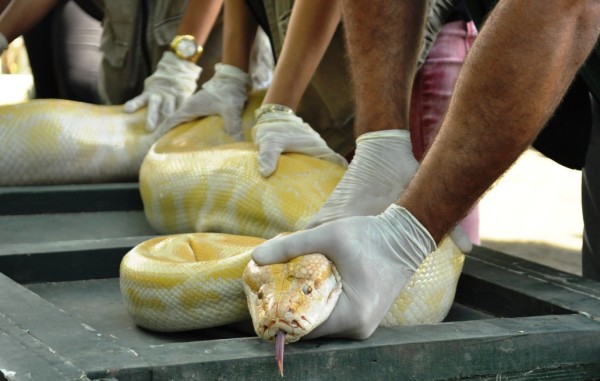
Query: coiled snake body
197, 179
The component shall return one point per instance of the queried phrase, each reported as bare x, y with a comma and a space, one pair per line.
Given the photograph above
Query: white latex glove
172, 82
224, 94
3, 43
279, 130
375, 256
381, 169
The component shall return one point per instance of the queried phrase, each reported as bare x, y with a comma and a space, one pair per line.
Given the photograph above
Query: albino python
198, 179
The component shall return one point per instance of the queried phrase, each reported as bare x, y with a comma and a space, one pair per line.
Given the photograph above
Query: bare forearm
383, 39
514, 77
199, 18
238, 34
312, 25
21, 15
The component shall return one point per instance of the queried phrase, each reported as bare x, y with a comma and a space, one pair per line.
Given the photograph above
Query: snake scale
196, 178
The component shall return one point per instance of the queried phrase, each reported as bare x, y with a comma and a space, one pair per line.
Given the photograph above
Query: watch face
187, 48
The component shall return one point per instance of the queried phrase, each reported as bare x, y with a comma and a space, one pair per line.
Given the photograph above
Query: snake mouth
292, 330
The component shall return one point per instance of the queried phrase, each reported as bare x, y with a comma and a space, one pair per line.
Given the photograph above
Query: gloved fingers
153, 111
168, 107
461, 240
340, 318
268, 157
232, 121
286, 247
136, 103
174, 120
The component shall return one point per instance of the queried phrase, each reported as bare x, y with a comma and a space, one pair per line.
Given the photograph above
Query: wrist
404, 223
271, 108
186, 48
226, 71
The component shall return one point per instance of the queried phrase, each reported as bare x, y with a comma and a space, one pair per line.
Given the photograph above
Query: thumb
233, 124
268, 157
461, 240
286, 247
178, 117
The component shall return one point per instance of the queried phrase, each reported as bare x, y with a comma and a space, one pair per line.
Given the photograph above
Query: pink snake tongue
279, 345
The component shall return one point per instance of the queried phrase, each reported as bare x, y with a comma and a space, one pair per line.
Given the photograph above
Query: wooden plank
46, 229
64, 261
23, 357
506, 286
69, 198
526, 347
70, 338
537, 346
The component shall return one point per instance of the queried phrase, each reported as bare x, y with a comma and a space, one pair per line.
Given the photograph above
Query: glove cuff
229, 71
417, 236
385, 134
172, 64
3, 43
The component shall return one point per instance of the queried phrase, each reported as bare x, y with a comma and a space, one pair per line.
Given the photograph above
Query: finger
283, 248
267, 159
136, 103
233, 125
334, 322
461, 240
154, 103
168, 106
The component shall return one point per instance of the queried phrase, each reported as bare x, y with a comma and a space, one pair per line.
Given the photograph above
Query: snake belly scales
202, 190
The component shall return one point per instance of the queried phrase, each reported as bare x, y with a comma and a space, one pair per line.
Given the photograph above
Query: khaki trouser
135, 35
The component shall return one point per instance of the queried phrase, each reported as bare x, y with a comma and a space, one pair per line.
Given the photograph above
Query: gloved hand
375, 256
3, 43
279, 130
224, 94
381, 169
172, 82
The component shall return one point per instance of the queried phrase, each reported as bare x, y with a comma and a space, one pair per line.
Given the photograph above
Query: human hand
382, 167
3, 43
375, 256
224, 94
172, 82
279, 130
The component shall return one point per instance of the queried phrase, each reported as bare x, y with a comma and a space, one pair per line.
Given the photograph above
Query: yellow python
196, 178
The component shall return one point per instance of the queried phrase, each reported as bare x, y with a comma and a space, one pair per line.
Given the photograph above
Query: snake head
293, 297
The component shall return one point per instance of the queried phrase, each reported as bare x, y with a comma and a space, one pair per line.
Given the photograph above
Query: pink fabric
431, 93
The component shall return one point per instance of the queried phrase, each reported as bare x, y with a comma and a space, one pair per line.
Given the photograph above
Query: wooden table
61, 316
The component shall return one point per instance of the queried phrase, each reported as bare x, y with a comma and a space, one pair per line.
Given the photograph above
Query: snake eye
306, 289
260, 295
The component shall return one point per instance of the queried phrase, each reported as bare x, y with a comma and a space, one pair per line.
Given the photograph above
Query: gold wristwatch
186, 47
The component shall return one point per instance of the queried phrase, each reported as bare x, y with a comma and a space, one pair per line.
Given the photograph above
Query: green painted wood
511, 287
69, 198
514, 319
87, 259
23, 357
